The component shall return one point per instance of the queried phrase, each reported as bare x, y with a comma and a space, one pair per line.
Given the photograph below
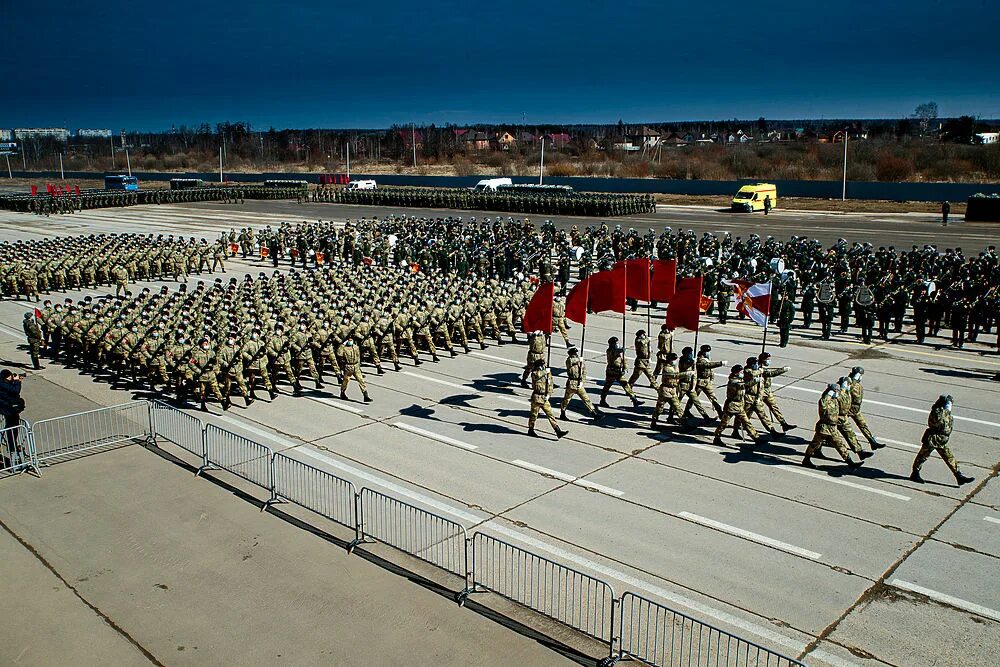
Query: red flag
367, 261
34, 190
576, 302
637, 283
38, 314
685, 306
706, 303
538, 314
77, 190
664, 280
607, 291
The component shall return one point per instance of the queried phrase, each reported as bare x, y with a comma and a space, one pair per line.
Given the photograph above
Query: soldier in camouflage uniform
939, 426
541, 389
826, 432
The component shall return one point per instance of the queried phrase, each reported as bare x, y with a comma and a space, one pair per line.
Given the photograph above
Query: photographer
11, 406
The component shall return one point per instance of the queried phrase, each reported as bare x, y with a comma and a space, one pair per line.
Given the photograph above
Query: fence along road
577, 600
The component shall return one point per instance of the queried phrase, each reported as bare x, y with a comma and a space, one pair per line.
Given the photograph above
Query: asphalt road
864, 569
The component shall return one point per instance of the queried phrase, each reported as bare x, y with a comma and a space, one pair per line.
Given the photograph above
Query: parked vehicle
751, 198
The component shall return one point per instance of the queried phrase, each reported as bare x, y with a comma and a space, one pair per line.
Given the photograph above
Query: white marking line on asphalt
455, 385
697, 445
11, 332
753, 537
434, 436
991, 519
900, 443
335, 404
947, 599
568, 478
495, 358
842, 482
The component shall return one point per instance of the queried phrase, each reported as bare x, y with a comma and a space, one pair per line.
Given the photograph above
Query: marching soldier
753, 400
205, 366
843, 426
735, 407
541, 389
667, 393
664, 344
614, 373
576, 381
704, 384
767, 374
642, 360
231, 365
536, 351
350, 356
864, 300
854, 412
559, 318
825, 433
939, 425
34, 335
686, 385
825, 297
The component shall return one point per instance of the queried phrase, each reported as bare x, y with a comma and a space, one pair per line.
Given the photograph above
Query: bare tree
925, 113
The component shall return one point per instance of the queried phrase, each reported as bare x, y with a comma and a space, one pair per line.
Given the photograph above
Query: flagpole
649, 295
624, 303
763, 342
586, 307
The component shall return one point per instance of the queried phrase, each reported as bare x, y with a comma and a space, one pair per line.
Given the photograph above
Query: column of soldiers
29, 269
289, 326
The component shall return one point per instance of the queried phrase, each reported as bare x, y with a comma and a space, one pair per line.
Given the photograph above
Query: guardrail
94, 429
17, 449
657, 635
632, 627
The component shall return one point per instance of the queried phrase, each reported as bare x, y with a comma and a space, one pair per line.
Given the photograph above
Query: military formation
596, 204
72, 202
30, 269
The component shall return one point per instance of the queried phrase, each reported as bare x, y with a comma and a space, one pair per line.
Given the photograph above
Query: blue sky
148, 65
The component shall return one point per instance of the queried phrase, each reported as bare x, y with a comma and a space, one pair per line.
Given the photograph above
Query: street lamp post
62, 173
843, 194
541, 164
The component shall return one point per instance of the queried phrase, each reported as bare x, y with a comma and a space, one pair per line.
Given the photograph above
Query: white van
362, 185
491, 184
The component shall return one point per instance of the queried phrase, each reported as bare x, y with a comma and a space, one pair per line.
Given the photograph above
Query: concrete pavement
841, 568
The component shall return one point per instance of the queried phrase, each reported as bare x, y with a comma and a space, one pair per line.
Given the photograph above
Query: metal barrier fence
422, 534
82, 431
316, 490
17, 449
657, 635
241, 456
573, 598
179, 428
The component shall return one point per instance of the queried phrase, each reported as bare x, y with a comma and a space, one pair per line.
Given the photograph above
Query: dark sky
148, 65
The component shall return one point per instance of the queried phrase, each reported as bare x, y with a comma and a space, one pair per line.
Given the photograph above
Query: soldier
767, 394
724, 293
854, 412
667, 392
34, 335
753, 400
255, 361
350, 357
576, 381
536, 351
281, 359
614, 372
642, 360
559, 318
120, 275
300, 345
864, 300
541, 389
704, 384
686, 384
939, 426
786, 315
843, 426
205, 366
734, 408
231, 365
826, 430
825, 299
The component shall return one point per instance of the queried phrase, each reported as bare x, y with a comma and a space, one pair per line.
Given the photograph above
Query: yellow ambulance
751, 198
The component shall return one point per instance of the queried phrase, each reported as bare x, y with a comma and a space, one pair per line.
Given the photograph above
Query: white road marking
900, 443
842, 482
568, 478
455, 385
991, 519
695, 445
947, 599
239, 423
495, 358
761, 631
753, 537
340, 405
435, 436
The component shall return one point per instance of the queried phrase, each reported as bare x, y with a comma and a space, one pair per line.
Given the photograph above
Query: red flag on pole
685, 306
576, 302
34, 190
77, 190
538, 314
607, 291
38, 314
637, 283
664, 280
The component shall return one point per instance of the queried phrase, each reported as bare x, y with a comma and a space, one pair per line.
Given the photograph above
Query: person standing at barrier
939, 426
11, 407
541, 389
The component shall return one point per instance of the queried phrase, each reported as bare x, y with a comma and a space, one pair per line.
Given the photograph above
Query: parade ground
129, 558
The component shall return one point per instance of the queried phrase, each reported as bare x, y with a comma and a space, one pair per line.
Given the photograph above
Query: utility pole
541, 165
62, 174
348, 159
112, 137
128, 161
220, 165
843, 194
10, 174
413, 141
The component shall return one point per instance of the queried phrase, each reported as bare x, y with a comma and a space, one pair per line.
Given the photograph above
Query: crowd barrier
17, 449
94, 429
631, 626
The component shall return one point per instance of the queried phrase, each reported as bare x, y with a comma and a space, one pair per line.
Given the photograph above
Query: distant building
93, 134
57, 133
6, 135
986, 138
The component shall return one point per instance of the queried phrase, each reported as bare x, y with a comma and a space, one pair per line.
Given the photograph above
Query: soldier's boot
416, 361
273, 393
963, 479
467, 349
454, 353
636, 402
854, 465
915, 477
253, 395
226, 403
562, 416
531, 432
367, 398
379, 370
513, 335
435, 358
653, 425
249, 399
35, 363
398, 367
598, 415
876, 444
561, 432
319, 383
773, 431
786, 427
204, 408
297, 389
482, 345
807, 462
864, 455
